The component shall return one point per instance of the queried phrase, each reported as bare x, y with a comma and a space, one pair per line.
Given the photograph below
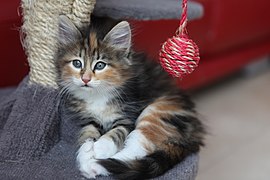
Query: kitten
136, 123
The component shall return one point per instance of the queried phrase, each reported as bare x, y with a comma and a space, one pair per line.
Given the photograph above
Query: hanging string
179, 55
181, 31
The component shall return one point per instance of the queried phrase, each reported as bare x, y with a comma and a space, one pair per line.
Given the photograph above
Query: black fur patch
151, 166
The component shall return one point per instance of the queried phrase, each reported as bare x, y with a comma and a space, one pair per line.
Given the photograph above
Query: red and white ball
179, 56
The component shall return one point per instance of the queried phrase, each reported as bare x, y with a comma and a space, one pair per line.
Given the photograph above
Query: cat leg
105, 147
111, 142
135, 147
85, 154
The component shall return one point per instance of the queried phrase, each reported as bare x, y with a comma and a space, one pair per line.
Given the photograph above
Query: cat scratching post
40, 28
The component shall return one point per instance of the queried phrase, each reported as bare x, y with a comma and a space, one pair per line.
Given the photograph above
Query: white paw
104, 148
91, 169
85, 154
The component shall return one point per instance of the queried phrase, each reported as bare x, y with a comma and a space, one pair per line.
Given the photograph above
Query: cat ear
68, 32
120, 36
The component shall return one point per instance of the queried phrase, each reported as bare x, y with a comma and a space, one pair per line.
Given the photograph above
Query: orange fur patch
110, 75
167, 104
69, 72
154, 128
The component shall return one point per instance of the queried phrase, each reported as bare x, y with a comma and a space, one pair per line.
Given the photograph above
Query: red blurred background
230, 35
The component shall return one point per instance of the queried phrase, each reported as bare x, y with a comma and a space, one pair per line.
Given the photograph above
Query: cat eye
99, 66
77, 63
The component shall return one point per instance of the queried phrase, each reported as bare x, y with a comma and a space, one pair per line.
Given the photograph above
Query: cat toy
179, 55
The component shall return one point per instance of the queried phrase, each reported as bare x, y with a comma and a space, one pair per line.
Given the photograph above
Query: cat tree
36, 140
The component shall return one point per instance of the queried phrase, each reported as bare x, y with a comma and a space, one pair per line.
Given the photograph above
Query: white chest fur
98, 106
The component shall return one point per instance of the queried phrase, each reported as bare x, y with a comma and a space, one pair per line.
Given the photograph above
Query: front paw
85, 154
93, 169
104, 148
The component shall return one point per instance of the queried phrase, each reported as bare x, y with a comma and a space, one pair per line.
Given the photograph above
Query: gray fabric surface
38, 142
146, 9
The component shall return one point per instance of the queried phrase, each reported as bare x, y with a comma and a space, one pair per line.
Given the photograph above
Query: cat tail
150, 166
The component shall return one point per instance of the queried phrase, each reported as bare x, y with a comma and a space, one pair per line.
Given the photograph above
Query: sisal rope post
179, 55
40, 31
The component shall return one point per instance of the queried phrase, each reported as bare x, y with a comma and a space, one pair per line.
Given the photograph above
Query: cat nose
86, 80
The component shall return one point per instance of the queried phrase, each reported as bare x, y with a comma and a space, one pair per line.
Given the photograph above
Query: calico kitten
136, 123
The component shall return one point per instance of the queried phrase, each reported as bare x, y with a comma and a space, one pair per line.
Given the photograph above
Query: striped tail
150, 166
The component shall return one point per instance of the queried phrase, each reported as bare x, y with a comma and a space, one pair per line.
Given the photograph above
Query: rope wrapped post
179, 55
40, 30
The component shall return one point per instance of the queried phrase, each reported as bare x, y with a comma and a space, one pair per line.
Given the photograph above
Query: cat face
92, 65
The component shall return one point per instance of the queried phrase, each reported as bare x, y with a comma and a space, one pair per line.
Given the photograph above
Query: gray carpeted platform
146, 9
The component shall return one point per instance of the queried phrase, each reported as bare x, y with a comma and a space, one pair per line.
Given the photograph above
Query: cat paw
92, 169
104, 148
85, 153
